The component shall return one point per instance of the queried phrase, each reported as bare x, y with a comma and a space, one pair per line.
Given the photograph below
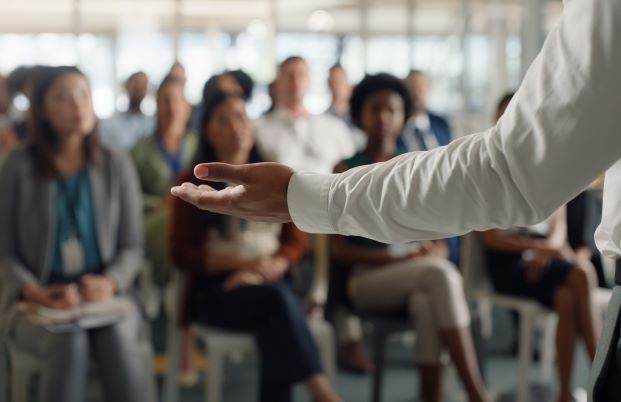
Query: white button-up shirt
561, 131
314, 143
123, 130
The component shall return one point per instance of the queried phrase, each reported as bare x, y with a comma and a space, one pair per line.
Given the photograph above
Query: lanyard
72, 201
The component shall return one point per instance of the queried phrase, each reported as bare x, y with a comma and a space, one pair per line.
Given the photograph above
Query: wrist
113, 285
31, 292
282, 261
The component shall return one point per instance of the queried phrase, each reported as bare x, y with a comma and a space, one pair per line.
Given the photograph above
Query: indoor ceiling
339, 16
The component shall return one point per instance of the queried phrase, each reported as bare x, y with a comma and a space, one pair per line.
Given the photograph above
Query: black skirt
509, 277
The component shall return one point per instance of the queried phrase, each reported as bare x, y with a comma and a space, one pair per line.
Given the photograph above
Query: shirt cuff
307, 197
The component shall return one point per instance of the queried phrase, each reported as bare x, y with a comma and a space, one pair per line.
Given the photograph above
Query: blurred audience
85, 241
71, 233
538, 263
20, 81
294, 137
159, 159
235, 82
415, 278
238, 269
177, 71
125, 128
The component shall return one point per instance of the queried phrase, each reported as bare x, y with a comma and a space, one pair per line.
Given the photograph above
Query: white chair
318, 293
530, 313
220, 344
24, 368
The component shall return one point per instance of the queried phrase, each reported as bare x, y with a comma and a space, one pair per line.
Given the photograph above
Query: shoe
353, 357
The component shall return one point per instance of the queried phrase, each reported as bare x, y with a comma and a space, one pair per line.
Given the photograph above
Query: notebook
83, 317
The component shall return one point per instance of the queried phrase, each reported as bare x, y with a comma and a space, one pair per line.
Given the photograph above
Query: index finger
221, 172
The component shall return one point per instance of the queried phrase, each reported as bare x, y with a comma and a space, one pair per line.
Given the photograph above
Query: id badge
73, 257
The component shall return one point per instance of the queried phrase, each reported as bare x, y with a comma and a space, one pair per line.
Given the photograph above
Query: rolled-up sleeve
559, 133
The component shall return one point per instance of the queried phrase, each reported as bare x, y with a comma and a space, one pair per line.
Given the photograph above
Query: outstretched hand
256, 191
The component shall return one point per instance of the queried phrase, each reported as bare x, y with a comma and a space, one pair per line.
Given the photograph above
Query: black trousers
274, 316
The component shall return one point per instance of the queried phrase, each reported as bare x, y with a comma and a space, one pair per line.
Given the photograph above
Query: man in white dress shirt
559, 133
124, 129
292, 136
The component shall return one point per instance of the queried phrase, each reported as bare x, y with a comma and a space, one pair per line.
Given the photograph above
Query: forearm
217, 264
509, 243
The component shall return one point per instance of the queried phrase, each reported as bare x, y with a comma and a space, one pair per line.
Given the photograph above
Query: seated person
124, 128
159, 159
236, 82
538, 263
238, 268
21, 80
71, 232
419, 279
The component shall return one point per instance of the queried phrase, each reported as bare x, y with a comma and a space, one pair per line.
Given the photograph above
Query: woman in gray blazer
71, 232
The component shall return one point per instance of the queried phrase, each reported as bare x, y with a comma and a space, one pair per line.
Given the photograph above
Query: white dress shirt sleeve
560, 132
608, 234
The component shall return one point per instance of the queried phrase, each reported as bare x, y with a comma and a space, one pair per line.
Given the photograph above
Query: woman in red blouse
239, 268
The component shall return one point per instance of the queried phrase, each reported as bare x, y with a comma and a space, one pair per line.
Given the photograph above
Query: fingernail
201, 171
175, 190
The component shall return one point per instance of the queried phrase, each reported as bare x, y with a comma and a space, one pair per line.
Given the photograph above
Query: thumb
221, 172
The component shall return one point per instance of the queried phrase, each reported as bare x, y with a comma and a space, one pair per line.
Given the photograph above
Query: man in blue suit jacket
425, 130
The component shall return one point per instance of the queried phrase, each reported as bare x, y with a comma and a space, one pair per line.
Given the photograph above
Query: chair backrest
173, 294
473, 264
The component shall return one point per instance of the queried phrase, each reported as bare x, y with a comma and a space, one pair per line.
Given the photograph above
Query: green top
154, 166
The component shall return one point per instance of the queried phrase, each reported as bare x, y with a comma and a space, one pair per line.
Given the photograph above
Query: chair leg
527, 321
378, 340
324, 338
20, 386
147, 354
548, 348
173, 350
214, 375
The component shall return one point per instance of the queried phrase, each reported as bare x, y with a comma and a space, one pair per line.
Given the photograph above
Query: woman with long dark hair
71, 233
238, 268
